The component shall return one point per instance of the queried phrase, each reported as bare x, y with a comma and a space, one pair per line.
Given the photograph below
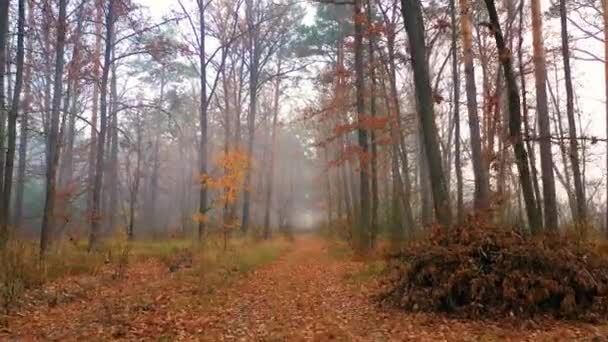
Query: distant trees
119, 121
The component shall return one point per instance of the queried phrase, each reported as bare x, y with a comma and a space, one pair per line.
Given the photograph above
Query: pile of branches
477, 271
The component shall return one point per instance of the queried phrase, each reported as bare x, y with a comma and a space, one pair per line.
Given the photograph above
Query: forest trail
305, 295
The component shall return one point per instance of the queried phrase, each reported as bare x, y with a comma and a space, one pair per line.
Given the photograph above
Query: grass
21, 269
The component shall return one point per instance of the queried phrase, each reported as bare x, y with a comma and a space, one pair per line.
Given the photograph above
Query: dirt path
304, 295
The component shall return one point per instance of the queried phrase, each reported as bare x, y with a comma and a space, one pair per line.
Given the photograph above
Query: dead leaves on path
302, 296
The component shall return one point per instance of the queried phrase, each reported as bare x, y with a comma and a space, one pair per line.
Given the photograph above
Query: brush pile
479, 271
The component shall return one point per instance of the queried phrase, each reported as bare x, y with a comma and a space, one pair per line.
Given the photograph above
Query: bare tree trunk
397, 127
12, 120
527, 131
456, 104
103, 113
4, 7
271, 166
136, 180
113, 162
581, 203
534, 218
48, 220
23, 135
253, 84
412, 17
94, 109
372, 110
363, 226
544, 125
202, 206
482, 180
605, 12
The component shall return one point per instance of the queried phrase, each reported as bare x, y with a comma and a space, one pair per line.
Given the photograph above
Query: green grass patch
340, 251
372, 270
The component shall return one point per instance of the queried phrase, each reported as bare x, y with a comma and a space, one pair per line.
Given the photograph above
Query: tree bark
253, 104
372, 111
526, 121
456, 104
544, 124
271, 166
48, 219
4, 7
534, 218
94, 109
103, 118
12, 120
23, 135
412, 17
482, 180
363, 226
605, 12
202, 206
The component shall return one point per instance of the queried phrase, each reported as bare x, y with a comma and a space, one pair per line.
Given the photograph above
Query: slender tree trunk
394, 95
12, 120
48, 220
103, 116
202, 206
363, 226
482, 181
113, 162
136, 181
271, 166
527, 130
544, 124
23, 135
456, 104
94, 109
605, 11
372, 110
581, 203
4, 21
253, 84
412, 16
534, 218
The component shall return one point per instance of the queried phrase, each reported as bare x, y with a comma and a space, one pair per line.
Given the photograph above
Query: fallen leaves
301, 296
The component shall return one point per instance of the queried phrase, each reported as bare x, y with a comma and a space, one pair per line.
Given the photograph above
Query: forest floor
308, 293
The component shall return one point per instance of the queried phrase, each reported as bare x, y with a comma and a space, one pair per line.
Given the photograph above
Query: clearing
306, 294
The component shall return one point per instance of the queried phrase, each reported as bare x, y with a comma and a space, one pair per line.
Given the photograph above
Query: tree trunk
4, 21
534, 218
527, 130
48, 219
544, 124
12, 120
93, 140
605, 12
372, 111
412, 17
456, 104
202, 206
581, 203
363, 226
271, 166
103, 116
482, 181
253, 84
23, 135
113, 176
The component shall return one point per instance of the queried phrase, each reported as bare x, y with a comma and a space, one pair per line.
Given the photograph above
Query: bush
480, 271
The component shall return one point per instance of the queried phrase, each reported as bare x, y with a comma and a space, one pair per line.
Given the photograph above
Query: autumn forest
352, 170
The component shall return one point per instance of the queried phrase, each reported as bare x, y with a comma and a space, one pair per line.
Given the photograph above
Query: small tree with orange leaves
226, 187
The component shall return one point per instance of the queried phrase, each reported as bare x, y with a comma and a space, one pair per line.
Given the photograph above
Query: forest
278, 170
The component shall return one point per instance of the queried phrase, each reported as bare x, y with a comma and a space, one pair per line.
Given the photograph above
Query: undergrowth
476, 270
21, 268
